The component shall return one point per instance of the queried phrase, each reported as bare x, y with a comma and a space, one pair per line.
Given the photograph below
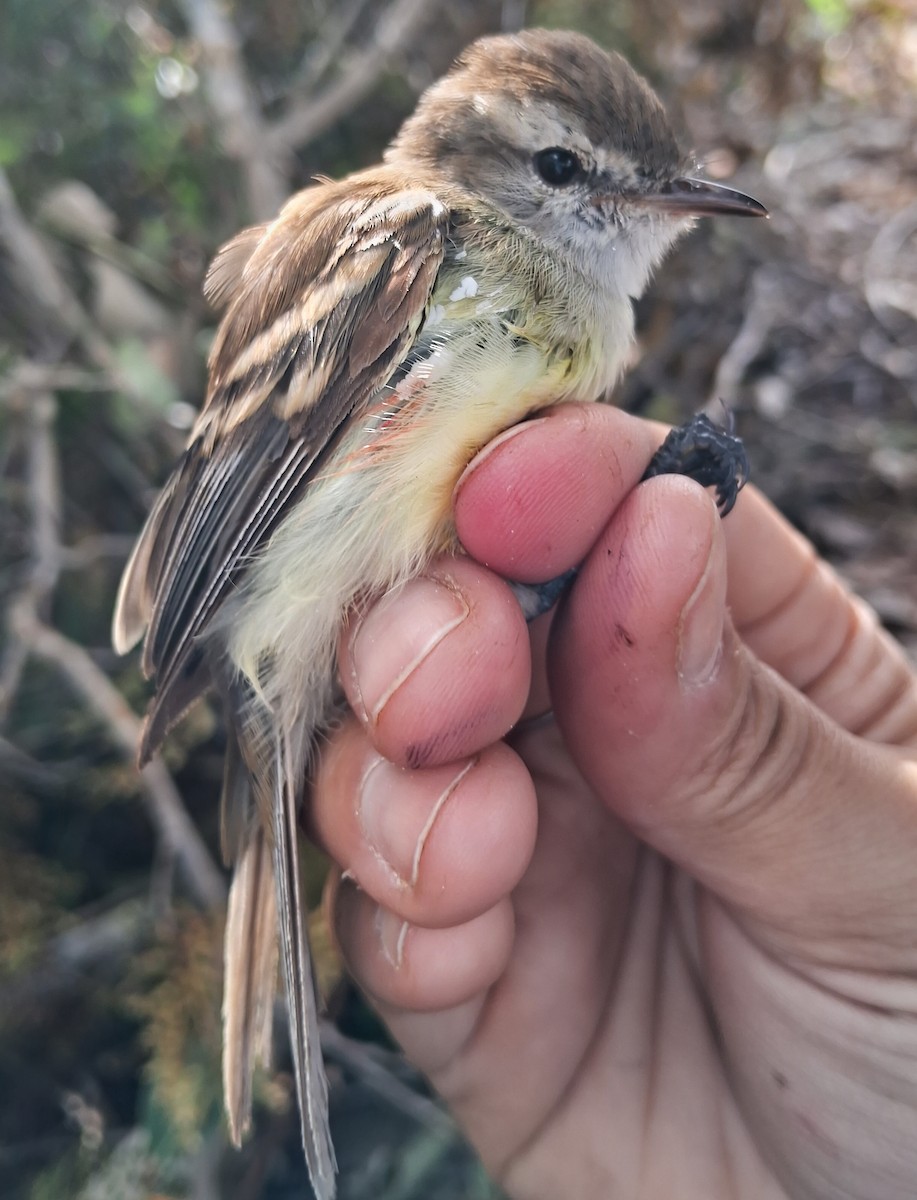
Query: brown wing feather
225, 273
322, 306
327, 302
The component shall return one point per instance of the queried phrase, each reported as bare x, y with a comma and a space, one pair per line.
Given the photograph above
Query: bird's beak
697, 198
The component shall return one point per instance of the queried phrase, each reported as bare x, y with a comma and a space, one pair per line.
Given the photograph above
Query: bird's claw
707, 453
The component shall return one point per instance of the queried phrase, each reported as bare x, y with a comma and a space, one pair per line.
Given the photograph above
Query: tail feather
238, 814
250, 975
262, 794
311, 1084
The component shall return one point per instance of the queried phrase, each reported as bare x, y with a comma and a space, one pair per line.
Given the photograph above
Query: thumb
716, 760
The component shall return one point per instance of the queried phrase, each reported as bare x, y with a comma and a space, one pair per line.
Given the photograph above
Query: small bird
376, 335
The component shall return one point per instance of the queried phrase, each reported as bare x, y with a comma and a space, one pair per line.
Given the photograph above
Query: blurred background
134, 139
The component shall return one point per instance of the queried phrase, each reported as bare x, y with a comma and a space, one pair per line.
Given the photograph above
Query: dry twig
235, 107
264, 149
321, 54
30, 633
56, 315
761, 311
45, 377
367, 1062
310, 117
164, 804
56, 312
73, 954
43, 490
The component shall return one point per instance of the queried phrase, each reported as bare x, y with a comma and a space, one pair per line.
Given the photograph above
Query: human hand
666, 945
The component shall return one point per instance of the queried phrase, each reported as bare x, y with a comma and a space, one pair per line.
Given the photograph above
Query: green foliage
176, 994
146, 379
130, 1172
35, 894
610, 24
60, 1179
417, 1160
833, 15
95, 114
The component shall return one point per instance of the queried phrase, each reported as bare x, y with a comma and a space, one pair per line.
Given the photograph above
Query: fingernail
396, 830
378, 816
384, 652
392, 933
700, 626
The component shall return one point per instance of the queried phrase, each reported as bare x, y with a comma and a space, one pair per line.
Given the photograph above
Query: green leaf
834, 15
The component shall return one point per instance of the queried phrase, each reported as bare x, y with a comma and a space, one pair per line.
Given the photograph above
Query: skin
662, 944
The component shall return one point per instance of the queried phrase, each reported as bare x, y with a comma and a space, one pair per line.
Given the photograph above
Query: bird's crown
516, 94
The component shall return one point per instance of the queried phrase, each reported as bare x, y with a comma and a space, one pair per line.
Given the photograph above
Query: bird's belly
378, 511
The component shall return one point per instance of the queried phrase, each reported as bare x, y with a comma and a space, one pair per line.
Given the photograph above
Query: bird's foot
707, 453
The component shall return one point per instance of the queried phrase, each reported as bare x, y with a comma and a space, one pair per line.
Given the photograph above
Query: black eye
557, 166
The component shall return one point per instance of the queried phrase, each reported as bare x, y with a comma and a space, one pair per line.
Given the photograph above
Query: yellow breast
487, 357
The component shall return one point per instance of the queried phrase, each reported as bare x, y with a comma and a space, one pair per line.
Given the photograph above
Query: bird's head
569, 142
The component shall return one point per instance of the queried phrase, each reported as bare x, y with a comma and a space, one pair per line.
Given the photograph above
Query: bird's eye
557, 166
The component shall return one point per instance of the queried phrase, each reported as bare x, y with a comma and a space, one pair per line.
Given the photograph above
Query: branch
72, 954
12, 665
30, 632
16, 764
164, 804
312, 116
51, 378
325, 51
95, 546
36, 278
364, 1060
44, 498
238, 117
885, 272
760, 314
43, 490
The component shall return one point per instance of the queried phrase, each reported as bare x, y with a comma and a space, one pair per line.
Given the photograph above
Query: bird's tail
263, 793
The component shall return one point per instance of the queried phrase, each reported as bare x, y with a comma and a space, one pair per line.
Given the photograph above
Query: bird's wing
321, 307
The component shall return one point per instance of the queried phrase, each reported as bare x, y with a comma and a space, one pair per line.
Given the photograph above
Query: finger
532, 504
435, 847
440, 668
711, 757
408, 968
795, 614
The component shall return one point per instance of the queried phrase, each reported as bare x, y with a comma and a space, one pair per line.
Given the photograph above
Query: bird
375, 336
